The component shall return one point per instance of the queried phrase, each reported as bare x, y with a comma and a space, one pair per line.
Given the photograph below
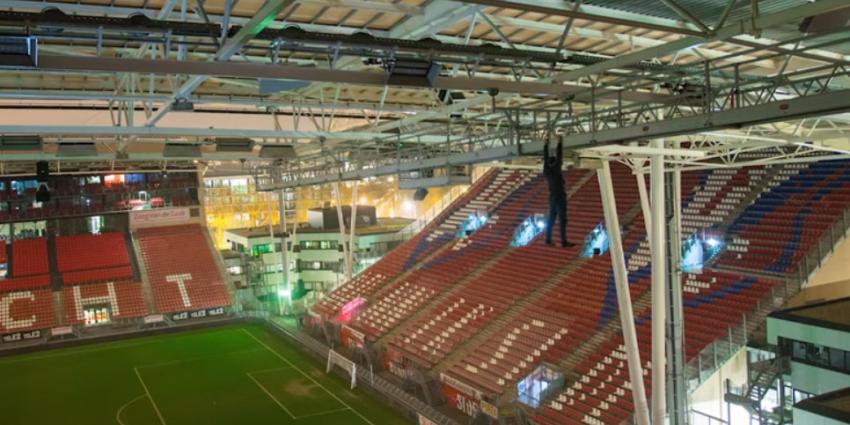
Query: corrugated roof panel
708, 11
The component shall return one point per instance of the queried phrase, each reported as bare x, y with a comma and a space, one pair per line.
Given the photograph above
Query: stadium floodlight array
336, 359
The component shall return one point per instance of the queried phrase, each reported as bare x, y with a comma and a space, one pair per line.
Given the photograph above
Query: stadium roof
384, 225
134, 75
835, 405
832, 314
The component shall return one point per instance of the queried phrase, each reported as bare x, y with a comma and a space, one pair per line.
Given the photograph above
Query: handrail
737, 336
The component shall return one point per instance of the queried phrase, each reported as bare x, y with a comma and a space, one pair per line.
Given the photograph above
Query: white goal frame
336, 359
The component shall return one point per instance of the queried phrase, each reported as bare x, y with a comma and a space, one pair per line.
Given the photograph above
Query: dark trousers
557, 209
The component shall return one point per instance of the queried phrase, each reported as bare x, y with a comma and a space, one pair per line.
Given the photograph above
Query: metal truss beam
728, 32
365, 5
439, 14
212, 100
597, 14
504, 147
266, 14
202, 70
159, 134
634, 40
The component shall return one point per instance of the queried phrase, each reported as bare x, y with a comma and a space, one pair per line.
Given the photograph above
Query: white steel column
624, 298
281, 206
341, 218
658, 244
644, 201
350, 270
280, 306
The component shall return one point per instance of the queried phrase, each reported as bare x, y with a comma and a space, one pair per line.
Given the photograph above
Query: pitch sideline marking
329, 412
278, 355
271, 396
126, 405
198, 358
279, 403
63, 352
153, 403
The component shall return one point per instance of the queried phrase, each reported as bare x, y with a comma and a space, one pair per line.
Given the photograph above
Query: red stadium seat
26, 304
29, 257
182, 279
124, 299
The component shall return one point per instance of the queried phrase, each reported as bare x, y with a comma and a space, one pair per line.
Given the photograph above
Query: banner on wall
21, 336
462, 396
398, 364
159, 217
352, 338
425, 421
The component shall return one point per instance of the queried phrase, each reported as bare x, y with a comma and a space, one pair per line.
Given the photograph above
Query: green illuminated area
227, 375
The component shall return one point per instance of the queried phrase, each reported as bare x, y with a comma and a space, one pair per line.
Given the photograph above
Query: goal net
336, 359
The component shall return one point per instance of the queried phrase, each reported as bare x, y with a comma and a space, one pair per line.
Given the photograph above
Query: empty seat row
182, 279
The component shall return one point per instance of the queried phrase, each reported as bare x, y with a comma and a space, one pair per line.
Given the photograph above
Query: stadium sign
351, 337
22, 336
61, 330
159, 217
198, 314
489, 410
425, 421
154, 318
398, 364
462, 396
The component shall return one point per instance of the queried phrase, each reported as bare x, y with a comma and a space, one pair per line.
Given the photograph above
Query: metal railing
825, 246
432, 213
722, 349
366, 377
700, 418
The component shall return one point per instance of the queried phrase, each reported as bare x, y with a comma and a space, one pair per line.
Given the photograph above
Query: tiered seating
29, 257
124, 300
182, 279
566, 314
84, 252
26, 304
489, 190
781, 227
397, 303
93, 258
602, 395
719, 193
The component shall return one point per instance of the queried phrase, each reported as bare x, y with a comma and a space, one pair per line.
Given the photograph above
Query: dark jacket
554, 175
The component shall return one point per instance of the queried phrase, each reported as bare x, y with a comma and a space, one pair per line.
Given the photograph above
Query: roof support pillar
658, 245
677, 392
624, 298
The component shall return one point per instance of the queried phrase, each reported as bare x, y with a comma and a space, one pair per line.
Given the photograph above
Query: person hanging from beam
557, 193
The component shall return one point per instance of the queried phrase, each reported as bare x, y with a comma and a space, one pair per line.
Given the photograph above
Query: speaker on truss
826, 22
413, 73
42, 171
43, 193
420, 194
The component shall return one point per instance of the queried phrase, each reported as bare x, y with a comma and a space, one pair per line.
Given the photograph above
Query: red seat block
26, 309
29, 257
182, 269
84, 252
124, 299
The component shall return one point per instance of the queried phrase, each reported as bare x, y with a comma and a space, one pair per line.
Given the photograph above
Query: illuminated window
96, 316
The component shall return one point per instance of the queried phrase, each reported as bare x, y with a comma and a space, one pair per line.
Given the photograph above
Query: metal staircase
763, 376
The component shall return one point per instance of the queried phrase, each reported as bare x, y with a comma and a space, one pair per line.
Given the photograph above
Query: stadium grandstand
342, 212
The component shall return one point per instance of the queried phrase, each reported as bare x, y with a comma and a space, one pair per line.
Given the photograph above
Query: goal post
336, 359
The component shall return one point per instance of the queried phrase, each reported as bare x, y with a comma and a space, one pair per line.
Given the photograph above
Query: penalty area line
148, 393
280, 356
126, 405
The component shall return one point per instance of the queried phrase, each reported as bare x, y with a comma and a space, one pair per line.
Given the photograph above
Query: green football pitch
229, 375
